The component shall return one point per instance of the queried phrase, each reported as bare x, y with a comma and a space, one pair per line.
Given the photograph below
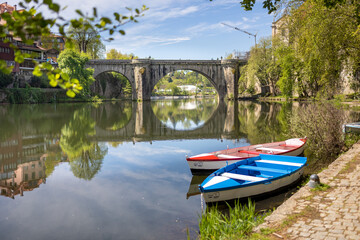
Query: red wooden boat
219, 159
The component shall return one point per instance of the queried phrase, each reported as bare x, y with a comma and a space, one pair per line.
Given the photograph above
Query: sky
181, 29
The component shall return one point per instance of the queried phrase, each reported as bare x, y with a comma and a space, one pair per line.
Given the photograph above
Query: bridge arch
213, 83
98, 78
145, 73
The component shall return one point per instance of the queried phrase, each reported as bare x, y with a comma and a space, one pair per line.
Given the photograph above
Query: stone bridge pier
144, 74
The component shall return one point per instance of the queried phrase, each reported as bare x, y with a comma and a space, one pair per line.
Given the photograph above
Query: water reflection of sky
187, 124
139, 193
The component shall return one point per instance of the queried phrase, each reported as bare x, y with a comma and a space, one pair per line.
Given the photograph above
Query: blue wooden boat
252, 177
352, 127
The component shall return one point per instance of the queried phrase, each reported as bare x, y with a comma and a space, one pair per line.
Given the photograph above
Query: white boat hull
253, 190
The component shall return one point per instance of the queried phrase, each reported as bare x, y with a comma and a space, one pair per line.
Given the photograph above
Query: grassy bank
236, 223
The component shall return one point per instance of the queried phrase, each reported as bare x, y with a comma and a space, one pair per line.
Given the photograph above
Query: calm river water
116, 170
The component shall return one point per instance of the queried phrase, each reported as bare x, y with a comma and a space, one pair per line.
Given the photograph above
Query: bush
5, 80
39, 82
25, 95
322, 124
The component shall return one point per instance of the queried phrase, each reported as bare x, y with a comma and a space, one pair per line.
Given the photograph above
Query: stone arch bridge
143, 74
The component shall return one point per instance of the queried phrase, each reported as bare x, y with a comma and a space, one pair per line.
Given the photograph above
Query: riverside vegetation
315, 55
322, 123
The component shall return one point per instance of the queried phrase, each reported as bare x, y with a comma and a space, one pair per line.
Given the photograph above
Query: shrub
5, 80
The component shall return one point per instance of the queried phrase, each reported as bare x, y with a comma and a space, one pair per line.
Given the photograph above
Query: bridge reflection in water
144, 125
117, 164
78, 133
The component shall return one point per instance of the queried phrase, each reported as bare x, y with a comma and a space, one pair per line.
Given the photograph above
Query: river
117, 170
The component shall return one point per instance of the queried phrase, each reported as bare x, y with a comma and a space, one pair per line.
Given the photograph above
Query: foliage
290, 67
87, 40
324, 41
174, 90
320, 46
73, 63
96, 99
261, 67
264, 122
39, 82
237, 224
37, 25
320, 187
270, 5
89, 163
115, 54
322, 124
5, 80
85, 156
184, 77
25, 95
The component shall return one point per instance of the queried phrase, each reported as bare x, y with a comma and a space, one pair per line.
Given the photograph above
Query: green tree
83, 37
97, 50
37, 25
174, 89
289, 67
73, 63
115, 54
323, 39
260, 69
322, 45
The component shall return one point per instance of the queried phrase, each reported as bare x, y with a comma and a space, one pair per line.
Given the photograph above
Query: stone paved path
330, 214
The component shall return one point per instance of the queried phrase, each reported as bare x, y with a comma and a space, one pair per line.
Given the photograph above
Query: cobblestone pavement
330, 214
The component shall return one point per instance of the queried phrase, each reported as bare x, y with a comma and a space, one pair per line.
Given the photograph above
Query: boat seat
272, 149
242, 177
281, 163
255, 168
249, 152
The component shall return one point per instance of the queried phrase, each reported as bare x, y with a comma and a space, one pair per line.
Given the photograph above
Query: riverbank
332, 213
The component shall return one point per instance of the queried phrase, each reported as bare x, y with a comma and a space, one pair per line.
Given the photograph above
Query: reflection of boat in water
252, 177
219, 159
194, 185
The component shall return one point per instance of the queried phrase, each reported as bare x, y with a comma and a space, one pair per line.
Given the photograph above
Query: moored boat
215, 160
252, 177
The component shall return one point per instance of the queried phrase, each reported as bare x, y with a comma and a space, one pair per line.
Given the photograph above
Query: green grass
237, 224
320, 187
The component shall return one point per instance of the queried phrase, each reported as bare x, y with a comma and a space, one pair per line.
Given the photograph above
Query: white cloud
139, 42
163, 14
142, 151
203, 27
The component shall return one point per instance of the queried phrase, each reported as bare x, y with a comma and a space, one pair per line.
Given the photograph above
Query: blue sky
186, 29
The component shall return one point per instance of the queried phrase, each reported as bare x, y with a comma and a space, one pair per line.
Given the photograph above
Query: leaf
55, 7
79, 12
37, 72
70, 93
65, 76
47, 2
53, 83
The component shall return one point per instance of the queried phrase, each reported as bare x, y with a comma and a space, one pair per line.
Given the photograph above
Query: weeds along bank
32, 95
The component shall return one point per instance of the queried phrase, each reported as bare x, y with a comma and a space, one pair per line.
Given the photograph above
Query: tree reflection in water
85, 157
